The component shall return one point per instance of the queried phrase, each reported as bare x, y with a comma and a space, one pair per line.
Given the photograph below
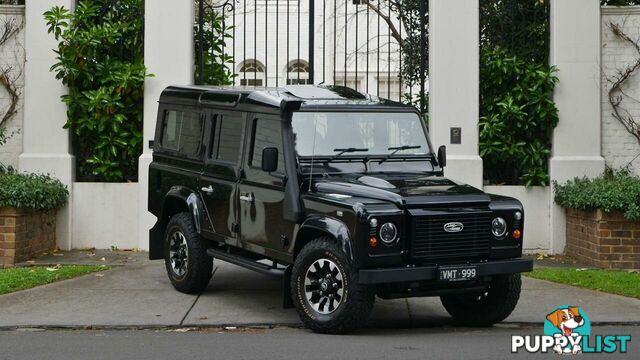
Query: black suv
338, 192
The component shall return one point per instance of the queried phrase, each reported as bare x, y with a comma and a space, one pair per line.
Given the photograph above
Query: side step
245, 263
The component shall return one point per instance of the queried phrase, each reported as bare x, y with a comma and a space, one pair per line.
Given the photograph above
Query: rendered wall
12, 58
619, 148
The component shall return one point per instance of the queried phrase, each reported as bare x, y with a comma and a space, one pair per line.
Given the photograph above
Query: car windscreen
359, 133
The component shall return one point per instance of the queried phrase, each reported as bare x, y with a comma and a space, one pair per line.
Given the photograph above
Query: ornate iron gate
373, 46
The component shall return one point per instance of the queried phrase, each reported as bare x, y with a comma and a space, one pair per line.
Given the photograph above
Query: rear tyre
325, 289
488, 307
185, 257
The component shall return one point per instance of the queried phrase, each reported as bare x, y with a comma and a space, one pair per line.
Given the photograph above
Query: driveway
139, 295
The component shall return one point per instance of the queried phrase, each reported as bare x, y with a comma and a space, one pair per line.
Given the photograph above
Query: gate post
45, 114
168, 54
454, 75
575, 51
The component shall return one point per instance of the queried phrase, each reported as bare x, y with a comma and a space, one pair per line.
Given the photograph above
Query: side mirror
270, 159
442, 156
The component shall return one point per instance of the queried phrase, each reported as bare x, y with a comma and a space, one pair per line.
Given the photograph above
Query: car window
182, 132
266, 133
230, 138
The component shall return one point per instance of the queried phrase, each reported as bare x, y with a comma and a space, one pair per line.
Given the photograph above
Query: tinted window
230, 137
267, 133
182, 132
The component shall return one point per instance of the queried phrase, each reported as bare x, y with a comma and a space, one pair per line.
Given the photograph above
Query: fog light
516, 234
499, 227
388, 233
373, 242
517, 215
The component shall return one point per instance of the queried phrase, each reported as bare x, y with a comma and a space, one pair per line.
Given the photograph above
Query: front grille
432, 242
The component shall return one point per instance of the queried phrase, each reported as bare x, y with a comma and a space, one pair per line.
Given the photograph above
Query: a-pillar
46, 145
575, 51
454, 86
168, 54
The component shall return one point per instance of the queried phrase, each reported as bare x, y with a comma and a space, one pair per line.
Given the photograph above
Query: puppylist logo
567, 330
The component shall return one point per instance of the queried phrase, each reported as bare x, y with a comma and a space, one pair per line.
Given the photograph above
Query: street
282, 343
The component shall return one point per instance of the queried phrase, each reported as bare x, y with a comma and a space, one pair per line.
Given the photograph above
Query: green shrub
613, 191
31, 191
517, 117
100, 57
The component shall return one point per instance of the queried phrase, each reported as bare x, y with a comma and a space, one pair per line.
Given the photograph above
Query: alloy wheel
323, 286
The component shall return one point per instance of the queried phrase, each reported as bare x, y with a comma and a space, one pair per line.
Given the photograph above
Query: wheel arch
319, 226
178, 199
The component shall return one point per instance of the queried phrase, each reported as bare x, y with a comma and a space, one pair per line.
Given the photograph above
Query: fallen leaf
57, 254
103, 259
99, 275
230, 327
203, 318
181, 330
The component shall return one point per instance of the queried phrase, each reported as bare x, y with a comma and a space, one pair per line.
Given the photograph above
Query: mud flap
287, 302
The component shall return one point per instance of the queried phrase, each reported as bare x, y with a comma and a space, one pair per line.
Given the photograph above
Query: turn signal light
373, 242
517, 233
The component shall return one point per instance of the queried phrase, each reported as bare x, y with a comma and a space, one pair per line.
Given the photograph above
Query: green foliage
613, 191
100, 59
517, 115
214, 37
520, 27
21, 278
31, 191
614, 282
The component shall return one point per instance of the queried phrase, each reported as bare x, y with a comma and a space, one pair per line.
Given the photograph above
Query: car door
219, 180
261, 194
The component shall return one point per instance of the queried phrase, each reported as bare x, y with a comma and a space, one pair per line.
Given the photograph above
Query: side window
266, 133
229, 139
182, 132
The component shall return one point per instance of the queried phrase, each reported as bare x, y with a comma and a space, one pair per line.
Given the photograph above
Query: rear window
182, 132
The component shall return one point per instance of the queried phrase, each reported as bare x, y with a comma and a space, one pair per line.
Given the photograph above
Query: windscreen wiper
347, 150
398, 148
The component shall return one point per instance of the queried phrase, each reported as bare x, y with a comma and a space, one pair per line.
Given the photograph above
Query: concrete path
140, 295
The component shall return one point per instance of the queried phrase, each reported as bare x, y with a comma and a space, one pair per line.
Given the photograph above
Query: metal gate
373, 46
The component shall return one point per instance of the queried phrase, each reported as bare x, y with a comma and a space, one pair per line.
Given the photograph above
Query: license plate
458, 273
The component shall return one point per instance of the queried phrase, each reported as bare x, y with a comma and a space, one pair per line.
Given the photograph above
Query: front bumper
405, 274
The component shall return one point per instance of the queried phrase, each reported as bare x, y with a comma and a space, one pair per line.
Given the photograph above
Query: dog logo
453, 227
567, 323
567, 330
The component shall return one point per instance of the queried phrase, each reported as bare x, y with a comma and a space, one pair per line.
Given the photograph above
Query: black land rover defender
338, 192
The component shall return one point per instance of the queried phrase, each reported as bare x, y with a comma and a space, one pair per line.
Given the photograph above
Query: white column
168, 54
575, 50
46, 144
454, 84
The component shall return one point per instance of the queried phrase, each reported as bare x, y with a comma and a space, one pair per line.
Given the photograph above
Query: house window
251, 73
298, 72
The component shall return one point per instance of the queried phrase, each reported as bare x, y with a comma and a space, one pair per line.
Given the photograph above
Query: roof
291, 97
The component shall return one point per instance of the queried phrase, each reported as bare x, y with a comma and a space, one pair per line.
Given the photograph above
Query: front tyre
488, 307
185, 257
325, 289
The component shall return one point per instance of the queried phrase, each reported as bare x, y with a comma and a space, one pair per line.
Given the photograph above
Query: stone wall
619, 148
25, 234
604, 240
12, 64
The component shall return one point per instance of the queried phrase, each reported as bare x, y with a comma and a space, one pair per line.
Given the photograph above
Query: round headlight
499, 227
388, 233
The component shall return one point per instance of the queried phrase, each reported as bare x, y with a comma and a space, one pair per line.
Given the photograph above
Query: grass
22, 278
614, 282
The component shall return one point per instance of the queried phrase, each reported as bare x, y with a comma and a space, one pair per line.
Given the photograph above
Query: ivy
613, 191
100, 59
31, 191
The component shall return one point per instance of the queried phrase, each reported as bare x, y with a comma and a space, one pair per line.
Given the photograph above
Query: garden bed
28, 205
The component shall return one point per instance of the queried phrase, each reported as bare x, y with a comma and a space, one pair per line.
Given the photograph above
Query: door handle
247, 198
207, 190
